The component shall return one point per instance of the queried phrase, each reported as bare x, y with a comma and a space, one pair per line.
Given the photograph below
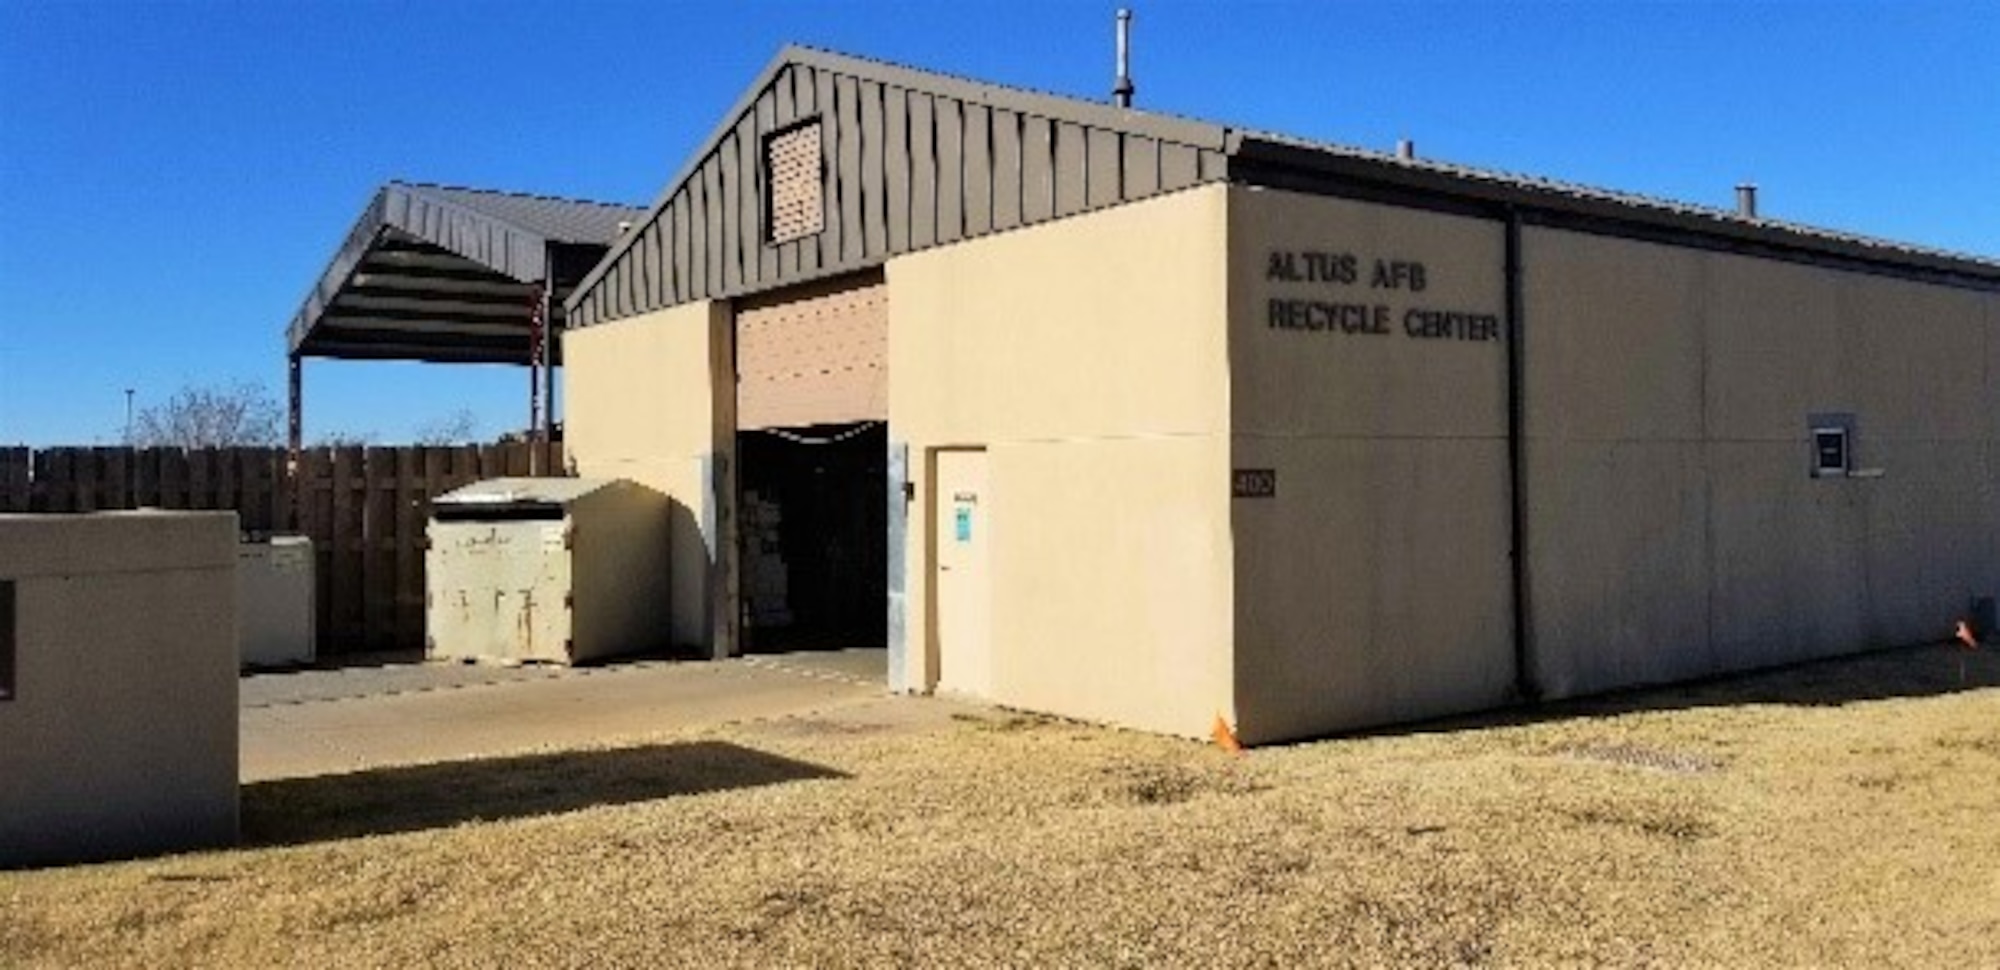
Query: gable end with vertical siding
909, 159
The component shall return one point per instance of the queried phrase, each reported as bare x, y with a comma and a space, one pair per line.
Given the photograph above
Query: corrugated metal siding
905, 168
819, 358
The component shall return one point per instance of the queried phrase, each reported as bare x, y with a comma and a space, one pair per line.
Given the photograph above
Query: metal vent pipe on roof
1746, 200
1122, 93
1406, 149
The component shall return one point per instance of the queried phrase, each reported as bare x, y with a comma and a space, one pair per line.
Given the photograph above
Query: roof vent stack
1406, 149
1746, 200
1122, 93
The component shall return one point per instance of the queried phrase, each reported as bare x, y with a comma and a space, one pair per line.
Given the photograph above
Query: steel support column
549, 380
294, 440
538, 362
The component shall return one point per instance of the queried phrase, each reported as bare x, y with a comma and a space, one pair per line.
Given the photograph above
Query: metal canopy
444, 274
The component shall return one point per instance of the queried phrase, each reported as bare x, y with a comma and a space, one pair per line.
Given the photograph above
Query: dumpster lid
495, 492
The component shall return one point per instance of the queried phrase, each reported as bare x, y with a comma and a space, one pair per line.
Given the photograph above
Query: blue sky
173, 176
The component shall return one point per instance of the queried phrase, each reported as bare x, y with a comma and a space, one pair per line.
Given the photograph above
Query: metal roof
1509, 188
553, 219
439, 273
526, 491
922, 178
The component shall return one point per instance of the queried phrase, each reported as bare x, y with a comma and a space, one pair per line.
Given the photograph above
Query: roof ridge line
826, 53
507, 193
827, 58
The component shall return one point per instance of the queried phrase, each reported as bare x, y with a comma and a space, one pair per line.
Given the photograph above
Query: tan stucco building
1142, 420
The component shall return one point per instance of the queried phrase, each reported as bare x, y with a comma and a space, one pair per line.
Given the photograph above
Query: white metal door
962, 522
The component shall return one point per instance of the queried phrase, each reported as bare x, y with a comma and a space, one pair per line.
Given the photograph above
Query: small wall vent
792, 170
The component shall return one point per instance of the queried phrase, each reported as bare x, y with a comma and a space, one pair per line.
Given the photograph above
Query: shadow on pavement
381, 801
415, 657
341, 661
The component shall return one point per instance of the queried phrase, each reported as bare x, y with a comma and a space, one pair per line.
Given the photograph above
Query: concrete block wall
1675, 528
1374, 586
652, 398
120, 738
1087, 357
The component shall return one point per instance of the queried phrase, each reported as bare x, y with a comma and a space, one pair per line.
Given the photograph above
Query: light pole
131, 457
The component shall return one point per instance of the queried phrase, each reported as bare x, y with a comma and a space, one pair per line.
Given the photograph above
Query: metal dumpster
558, 570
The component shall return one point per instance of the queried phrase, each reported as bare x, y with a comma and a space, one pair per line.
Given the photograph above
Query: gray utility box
274, 601
558, 570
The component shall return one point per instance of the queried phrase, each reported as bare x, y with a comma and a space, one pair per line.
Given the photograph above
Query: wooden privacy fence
250, 481
364, 508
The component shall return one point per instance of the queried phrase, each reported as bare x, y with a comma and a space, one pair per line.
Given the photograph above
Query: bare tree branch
212, 416
458, 428
345, 439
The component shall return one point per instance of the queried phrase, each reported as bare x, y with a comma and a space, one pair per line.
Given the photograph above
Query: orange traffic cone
1224, 737
1965, 636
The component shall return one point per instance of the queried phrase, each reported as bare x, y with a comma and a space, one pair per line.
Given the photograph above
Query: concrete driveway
317, 722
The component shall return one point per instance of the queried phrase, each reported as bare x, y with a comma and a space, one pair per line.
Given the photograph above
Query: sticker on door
962, 521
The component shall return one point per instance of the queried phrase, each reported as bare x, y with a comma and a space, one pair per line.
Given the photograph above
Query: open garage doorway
812, 466
815, 537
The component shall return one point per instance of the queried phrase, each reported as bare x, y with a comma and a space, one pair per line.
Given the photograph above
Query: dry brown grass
1813, 817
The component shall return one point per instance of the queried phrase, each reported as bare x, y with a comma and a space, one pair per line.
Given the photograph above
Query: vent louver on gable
791, 160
